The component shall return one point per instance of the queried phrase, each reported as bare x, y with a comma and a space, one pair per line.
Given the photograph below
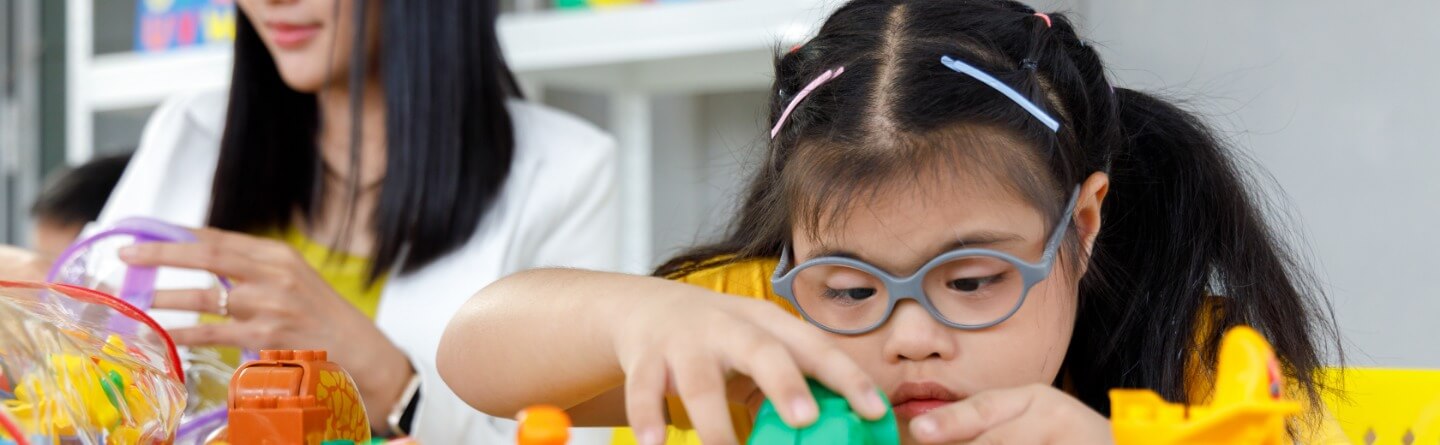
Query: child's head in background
71, 199
893, 158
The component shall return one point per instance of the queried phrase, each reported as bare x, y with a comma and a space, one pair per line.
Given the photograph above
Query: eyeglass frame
912, 287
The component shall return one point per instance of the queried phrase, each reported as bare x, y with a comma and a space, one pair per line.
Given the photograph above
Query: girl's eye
857, 293
972, 284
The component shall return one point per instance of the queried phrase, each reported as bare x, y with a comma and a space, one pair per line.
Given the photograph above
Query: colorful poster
165, 25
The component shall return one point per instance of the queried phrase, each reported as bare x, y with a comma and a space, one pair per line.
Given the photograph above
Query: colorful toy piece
106, 391
837, 424
69, 378
1249, 404
543, 425
294, 397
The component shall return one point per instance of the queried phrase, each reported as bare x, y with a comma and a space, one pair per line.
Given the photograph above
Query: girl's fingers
645, 401
838, 372
769, 365
701, 385
819, 358
968, 419
1027, 428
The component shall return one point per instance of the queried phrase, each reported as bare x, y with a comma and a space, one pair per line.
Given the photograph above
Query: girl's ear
1087, 210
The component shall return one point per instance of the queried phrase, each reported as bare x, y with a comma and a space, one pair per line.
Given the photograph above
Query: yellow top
751, 279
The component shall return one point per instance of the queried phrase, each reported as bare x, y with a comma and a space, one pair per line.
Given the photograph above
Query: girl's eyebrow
981, 239
984, 238
978, 239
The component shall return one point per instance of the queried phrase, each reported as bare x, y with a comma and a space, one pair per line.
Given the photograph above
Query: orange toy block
294, 397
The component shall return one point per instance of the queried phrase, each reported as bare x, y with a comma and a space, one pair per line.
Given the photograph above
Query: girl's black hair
449, 139
1184, 247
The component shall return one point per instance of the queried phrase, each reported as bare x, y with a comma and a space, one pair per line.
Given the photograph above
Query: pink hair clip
824, 77
1044, 16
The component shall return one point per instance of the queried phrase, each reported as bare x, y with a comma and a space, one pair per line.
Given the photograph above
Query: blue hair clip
967, 69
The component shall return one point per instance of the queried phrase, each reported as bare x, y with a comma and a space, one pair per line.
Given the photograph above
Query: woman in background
371, 166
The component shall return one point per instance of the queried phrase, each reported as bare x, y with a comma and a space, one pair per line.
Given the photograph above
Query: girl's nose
912, 334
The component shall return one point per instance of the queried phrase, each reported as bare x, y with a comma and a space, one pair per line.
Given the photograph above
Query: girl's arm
568, 337
543, 336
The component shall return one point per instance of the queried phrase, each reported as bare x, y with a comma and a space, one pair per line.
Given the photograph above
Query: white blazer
557, 208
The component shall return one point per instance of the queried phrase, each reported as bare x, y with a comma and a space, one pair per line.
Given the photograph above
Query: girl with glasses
958, 209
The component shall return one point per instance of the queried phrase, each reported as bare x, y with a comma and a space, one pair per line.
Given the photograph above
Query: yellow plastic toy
104, 393
1385, 406
1249, 404
80, 366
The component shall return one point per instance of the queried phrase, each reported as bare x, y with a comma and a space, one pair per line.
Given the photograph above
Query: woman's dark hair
449, 140
75, 196
1184, 245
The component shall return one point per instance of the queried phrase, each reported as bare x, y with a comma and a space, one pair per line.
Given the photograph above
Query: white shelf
716, 45
701, 46
130, 80
562, 39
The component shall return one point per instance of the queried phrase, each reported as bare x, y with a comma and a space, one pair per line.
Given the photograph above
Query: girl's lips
912, 399
916, 407
290, 35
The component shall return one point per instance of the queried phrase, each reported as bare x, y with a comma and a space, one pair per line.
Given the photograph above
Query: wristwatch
403, 414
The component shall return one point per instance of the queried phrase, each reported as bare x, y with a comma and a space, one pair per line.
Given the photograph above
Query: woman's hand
1034, 414
278, 302
692, 345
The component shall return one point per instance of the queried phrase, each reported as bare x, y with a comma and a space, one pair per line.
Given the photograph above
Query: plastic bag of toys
81, 366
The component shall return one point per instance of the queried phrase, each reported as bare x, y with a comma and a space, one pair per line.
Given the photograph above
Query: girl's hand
1034, 414
693, 344
278, 302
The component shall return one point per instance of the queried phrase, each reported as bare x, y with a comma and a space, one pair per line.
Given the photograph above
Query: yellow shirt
751, 279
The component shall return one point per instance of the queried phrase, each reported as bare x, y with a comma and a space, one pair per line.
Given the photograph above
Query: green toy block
837, 424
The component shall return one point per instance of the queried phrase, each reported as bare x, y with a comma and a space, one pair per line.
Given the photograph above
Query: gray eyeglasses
964, 288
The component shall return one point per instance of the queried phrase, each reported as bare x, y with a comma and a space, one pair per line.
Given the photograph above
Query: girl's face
920, 363
310, 40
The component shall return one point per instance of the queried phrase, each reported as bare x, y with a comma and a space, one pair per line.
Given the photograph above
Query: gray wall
1337, 101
